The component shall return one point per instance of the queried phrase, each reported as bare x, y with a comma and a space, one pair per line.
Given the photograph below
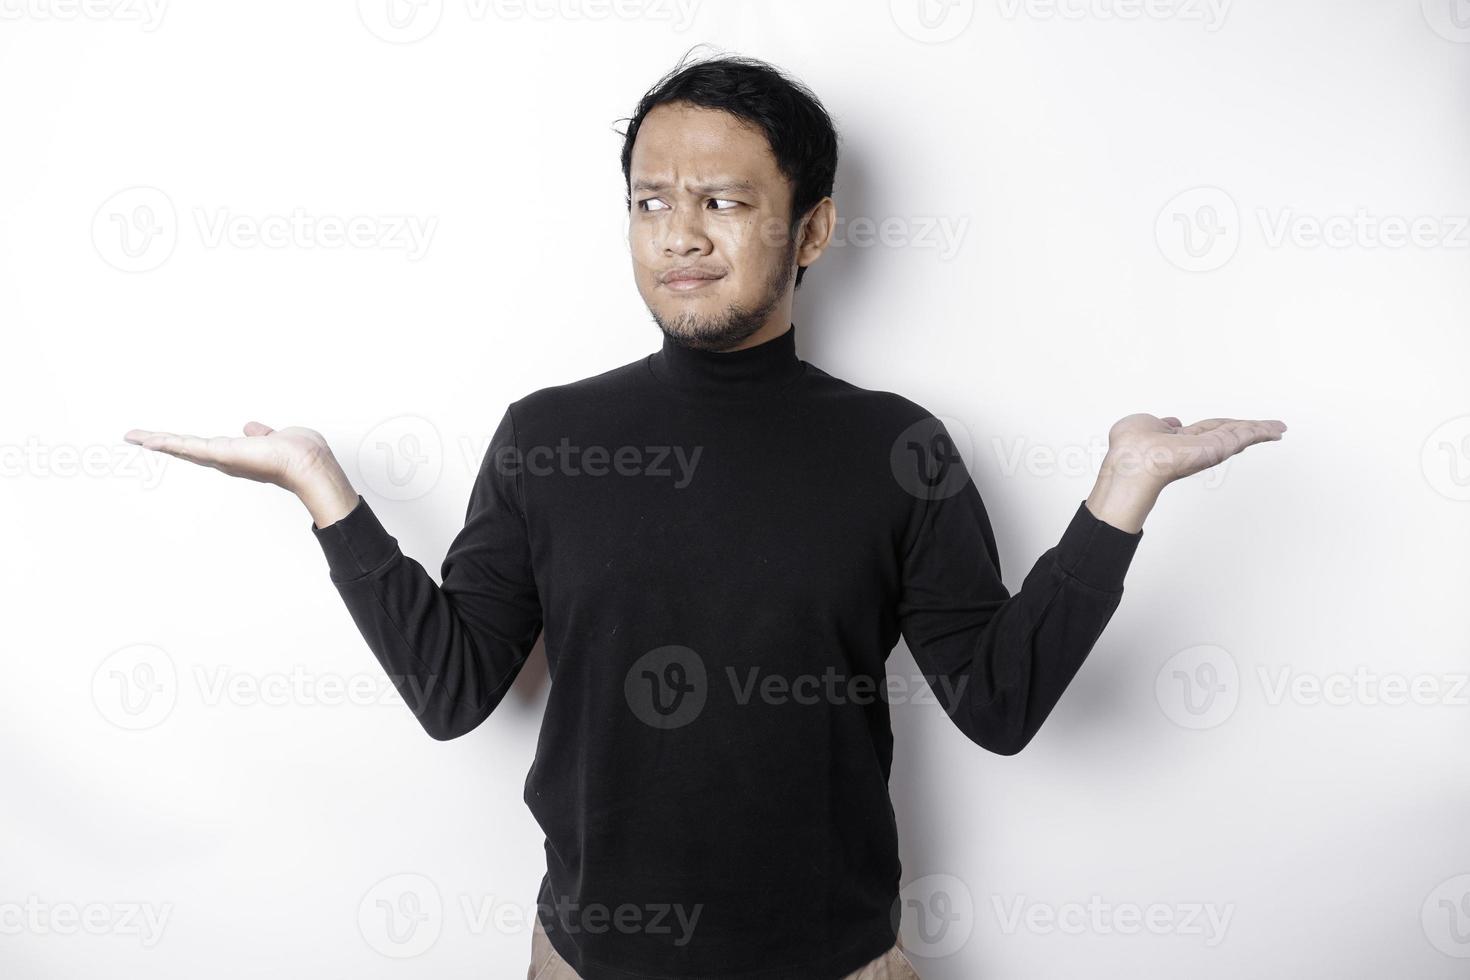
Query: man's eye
647, 204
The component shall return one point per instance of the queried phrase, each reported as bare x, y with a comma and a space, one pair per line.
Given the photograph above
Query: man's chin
706, 332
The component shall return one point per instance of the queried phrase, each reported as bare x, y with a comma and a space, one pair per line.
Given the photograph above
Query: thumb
1171, 420
257, 429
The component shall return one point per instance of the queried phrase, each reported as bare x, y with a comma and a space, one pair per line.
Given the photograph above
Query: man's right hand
294, 458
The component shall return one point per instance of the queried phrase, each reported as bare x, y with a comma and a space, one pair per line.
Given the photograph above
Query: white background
266, 823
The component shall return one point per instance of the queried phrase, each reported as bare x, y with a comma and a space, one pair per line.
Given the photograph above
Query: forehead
681, 142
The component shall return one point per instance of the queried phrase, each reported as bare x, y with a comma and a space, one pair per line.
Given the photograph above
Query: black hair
795, 124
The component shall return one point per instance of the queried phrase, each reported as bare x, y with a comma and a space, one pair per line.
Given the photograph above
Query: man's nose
685, 230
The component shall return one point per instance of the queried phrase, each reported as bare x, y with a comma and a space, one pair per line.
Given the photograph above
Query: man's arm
999, 663
452, 651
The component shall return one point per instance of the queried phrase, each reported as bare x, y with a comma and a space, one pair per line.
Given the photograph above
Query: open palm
283, 457
1166, 450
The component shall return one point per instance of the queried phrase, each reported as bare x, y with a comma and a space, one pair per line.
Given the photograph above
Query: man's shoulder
595, 392
877, 403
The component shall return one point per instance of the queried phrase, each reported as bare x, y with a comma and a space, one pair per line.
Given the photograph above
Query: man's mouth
684, 280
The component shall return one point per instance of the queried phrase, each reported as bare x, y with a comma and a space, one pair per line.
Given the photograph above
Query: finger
257, 429
1272, 428
1258, 430
1218, 440
141, 437
1204, 425
1171, 420
192, 448
1249, 432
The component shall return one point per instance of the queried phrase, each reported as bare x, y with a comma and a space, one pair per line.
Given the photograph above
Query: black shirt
724, 548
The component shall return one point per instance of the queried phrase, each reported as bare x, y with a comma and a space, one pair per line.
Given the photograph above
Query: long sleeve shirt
723, 549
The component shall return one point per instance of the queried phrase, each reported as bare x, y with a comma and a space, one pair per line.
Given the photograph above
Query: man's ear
816, 231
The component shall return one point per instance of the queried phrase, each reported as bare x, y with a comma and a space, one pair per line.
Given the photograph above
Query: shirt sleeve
451, 650
998, 662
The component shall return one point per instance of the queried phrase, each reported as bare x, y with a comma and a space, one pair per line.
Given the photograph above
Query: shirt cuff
1096, 553
355, 545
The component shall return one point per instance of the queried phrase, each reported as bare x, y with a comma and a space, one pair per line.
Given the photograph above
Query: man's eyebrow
712, 187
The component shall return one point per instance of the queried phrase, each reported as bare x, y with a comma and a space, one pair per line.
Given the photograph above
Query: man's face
708, 199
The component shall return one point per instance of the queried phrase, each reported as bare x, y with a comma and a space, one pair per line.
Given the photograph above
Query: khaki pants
547, 964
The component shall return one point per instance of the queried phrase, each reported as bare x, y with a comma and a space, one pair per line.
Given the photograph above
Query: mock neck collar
763, 368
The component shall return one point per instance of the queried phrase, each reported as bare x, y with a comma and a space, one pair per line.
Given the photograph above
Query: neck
768, 331
760, 367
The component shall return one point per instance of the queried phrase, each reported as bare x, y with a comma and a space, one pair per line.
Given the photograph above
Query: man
724, 543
